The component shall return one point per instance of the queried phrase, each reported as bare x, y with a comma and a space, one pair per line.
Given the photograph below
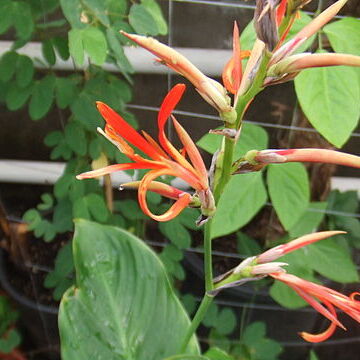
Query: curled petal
158, 187
179, 205
117, 167
316, 338
125, 130
280, 12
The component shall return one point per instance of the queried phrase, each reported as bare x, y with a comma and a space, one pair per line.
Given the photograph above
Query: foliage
9, 336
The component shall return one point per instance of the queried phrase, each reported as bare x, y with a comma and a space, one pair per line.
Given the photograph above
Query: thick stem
205, 303
109, 193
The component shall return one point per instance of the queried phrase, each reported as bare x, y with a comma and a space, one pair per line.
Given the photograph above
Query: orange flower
164, 159
323, 300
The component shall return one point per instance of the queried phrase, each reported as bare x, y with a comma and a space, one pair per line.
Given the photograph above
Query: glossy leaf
123, 306
243, 197
289, 191
329, 98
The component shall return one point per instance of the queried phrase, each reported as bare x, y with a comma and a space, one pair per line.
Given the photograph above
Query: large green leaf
344, 35
332, 260
252, 137
329, 97
289, 191
142, 20
123, 306
243, 197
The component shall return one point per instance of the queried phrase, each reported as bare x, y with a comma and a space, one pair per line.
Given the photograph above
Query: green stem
208, 257
205, 303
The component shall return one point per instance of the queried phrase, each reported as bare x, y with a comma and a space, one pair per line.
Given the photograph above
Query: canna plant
122, 294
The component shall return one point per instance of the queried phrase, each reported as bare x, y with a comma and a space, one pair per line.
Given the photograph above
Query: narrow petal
316, 338
174, 210
192, 151
167, 106
280, 12
126, 131
158, 187
321, 20
110, 169
237, 67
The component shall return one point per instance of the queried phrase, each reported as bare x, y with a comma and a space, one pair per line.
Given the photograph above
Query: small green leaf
23, 20
6, 15
155, 10
215, 353
313, 355
243, 197
62, 46
76, 47
65, 92
95, 44
75, 138
80, 209
72, 10
253, 333
11, 341
53, 138
8, 65
211, 316
47, 202
289, 191
225, 322
329, 98
97, 207
142, 21
16, 97
48, 51
99, 10
130, 209
24, 71
63, 217
176, 233
42, 97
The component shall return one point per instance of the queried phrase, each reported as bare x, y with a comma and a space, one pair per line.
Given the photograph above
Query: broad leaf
76, 47
72, 10
95, 44
24, 71
310, 220
155, 10
329, 97
243, 197
289, 191
123, 306
332, 261
99, 10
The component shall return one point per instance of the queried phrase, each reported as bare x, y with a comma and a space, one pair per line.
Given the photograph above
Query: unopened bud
265, 23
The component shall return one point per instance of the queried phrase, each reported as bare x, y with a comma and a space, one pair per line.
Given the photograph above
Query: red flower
323, 300
164, 159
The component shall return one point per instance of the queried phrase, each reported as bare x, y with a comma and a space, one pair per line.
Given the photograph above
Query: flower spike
165, 159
